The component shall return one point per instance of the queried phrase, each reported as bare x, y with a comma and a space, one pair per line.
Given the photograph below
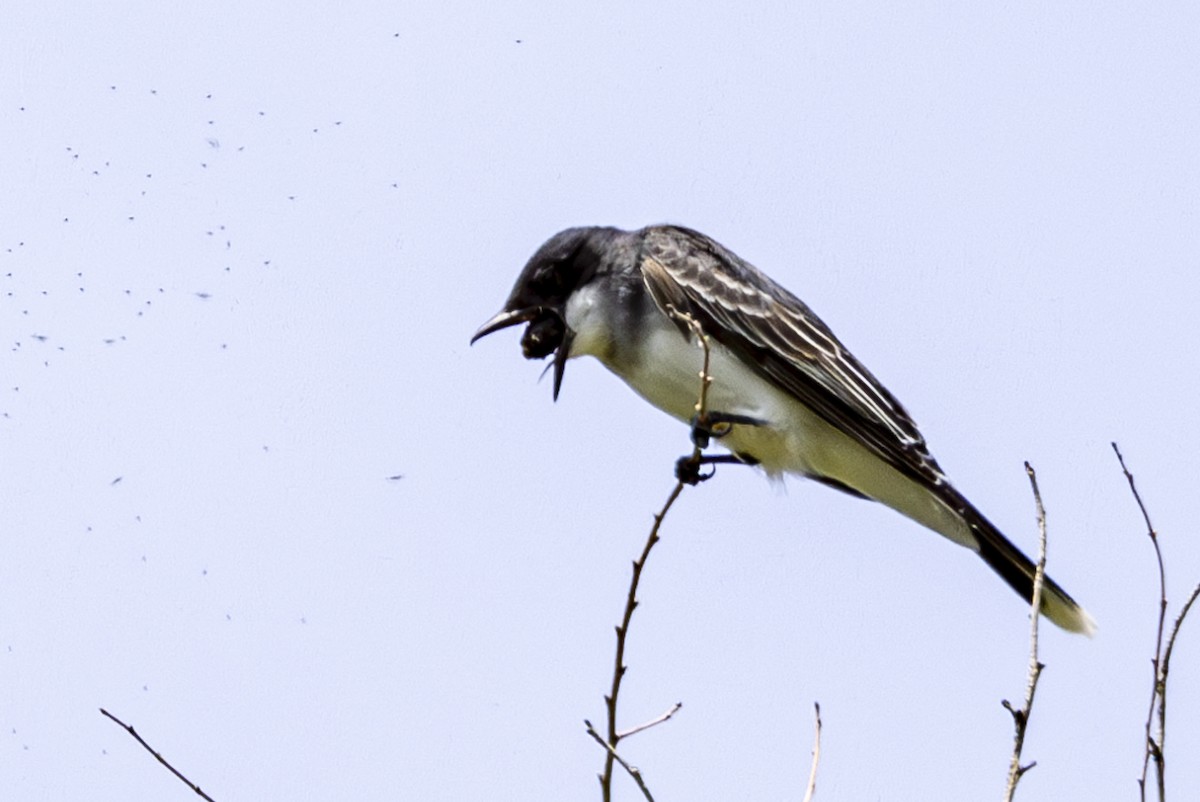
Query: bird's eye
550, 281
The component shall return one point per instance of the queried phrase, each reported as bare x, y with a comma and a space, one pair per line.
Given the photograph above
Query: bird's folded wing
776, 334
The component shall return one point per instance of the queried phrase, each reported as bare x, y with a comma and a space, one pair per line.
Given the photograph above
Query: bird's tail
1018, 571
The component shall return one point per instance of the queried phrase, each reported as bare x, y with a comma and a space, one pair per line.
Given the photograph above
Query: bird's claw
687, 470
718, 424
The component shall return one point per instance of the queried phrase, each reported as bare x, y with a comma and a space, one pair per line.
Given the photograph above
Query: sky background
242, 251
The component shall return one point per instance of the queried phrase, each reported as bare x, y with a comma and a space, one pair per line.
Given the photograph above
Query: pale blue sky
257, 241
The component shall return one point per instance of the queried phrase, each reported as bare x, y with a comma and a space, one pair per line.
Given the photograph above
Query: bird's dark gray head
566, 262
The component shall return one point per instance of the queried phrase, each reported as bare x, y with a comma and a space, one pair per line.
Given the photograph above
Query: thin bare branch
654, 722
129, 729
1136, 495
1160, 746
705, 377
1187, 607
1153, 746
1021, 717
619, 667
811, 789
612, 753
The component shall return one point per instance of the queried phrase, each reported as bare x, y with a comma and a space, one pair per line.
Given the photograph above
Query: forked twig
1021, 716
1155, 746
1162, 691
612, 754
619, 667
654, 722
1151, 746
129, 729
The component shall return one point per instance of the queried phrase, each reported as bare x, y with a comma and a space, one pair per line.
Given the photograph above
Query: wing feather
781, 338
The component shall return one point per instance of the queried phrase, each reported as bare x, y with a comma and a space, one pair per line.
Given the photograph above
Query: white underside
664, 368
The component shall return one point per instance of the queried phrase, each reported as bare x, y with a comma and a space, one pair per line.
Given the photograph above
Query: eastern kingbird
789, 396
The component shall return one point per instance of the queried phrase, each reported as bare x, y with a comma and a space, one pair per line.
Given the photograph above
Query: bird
785, 394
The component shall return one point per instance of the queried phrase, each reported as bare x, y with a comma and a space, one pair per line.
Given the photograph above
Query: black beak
543, 335
504, 319
560, 360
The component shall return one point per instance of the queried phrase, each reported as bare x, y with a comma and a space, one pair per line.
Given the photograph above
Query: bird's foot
687, 469
718, 424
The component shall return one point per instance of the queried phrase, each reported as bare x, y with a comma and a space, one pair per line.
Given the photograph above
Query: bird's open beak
547, 334
504, 319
